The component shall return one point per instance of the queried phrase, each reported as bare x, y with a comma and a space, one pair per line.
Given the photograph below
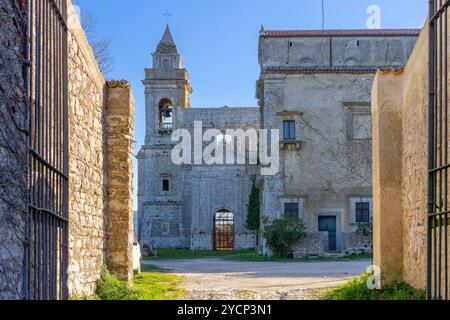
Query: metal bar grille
46, 254
438, 218
224, 231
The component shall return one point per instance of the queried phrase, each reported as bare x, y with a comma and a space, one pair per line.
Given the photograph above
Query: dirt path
211, 279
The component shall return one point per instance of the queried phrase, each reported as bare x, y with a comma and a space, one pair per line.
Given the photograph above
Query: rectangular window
363, 212
291, 210
166, 185
165, 229
362, 127
289, 130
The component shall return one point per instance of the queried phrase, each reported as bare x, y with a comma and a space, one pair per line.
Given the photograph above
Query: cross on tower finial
167, 14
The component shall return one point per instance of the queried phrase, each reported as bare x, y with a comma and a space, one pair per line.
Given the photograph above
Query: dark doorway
224, 230
328, 224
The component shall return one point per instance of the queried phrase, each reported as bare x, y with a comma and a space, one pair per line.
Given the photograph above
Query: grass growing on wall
357, 289
152, 284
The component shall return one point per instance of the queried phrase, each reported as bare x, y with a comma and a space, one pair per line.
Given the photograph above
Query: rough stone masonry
101, 140
13, 147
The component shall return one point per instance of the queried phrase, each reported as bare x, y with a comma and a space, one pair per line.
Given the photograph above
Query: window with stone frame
359, 120
165, 185
362, 212
362, 127
291, 210
289, 130
165, 229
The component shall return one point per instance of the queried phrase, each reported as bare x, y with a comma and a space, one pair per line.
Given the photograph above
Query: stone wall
357, 243
119, 130
400, 107
101, 133
96, 196
86, 166
13, 151
314, 244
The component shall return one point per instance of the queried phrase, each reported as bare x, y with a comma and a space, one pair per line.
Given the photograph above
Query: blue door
328, 224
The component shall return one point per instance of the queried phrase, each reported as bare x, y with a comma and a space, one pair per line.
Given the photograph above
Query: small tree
283, 233
253, 211
100, 47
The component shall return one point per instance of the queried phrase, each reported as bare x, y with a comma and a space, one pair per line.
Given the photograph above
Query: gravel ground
216, 279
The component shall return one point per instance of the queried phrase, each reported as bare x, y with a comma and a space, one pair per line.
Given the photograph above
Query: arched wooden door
224, 230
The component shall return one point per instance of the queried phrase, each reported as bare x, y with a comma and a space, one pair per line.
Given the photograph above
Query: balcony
165, 127
290, 145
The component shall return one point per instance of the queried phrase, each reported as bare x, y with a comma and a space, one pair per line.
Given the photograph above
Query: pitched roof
341, 33
167, 45
167, 37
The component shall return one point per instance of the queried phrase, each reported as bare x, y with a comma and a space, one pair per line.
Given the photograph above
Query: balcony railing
166, 126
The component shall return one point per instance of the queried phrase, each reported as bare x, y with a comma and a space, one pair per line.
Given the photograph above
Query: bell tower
167, 90
160, 187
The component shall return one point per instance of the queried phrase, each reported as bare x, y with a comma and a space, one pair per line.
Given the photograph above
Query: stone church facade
315, 87
177, 204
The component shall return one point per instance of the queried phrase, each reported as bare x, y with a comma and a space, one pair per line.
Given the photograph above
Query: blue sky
219, 38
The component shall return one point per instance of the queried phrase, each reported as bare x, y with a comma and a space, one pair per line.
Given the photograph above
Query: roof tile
341, 33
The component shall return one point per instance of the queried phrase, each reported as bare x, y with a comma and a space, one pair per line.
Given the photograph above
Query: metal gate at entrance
46, 248
438, 215
224, 231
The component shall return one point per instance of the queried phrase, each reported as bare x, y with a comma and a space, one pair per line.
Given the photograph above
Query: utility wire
323, 14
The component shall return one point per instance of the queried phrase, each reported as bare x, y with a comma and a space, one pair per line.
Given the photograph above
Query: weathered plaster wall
87, 168
401, 167
387, 167
13, 151
336, 51
330, 167
322, 80
415, 164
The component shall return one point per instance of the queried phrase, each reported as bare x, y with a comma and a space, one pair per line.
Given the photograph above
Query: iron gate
438, 218
46, 252
224, 231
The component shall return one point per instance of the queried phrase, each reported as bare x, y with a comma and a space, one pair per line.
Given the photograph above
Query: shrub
365, 228
111, 288
356, 289
283, 233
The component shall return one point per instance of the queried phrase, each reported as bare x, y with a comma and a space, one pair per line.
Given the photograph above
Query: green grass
249, 255
170, 254
159, 286
357, 289
152, 284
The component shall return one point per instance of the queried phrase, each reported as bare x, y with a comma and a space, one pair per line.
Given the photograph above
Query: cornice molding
114, 84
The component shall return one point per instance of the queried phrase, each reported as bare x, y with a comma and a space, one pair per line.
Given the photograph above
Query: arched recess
165, 112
